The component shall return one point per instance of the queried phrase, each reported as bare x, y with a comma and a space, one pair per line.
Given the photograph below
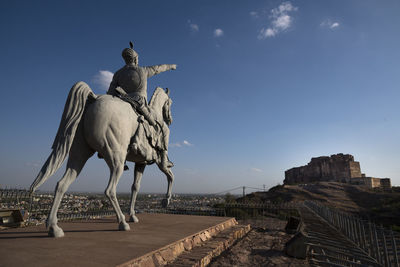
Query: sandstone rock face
297, 246
339, 168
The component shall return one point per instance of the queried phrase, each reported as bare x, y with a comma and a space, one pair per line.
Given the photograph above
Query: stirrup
170, 163
167, 164
126, 168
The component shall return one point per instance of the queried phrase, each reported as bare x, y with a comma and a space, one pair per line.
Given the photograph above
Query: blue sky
261, 86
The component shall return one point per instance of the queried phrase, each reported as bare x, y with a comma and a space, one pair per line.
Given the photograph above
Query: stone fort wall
373, 182
337, 168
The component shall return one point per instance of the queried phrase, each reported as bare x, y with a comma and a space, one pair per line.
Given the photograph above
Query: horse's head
166, 110
161, 104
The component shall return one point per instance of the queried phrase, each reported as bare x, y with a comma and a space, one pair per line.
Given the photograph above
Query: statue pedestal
156, 239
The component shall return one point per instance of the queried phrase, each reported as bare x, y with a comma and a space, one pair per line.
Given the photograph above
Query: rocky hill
380, 206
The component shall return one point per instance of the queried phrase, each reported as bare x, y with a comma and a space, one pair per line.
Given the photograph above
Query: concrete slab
98, 242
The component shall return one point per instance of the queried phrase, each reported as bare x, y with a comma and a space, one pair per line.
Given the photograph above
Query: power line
255, 188
226, 191
239, 187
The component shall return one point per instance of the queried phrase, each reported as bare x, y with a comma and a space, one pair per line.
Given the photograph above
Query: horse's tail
74, 108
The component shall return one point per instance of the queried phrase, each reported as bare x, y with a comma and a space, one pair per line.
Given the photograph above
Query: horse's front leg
170, 177
139, 169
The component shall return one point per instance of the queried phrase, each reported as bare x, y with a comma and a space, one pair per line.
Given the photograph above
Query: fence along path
367, 239
23, 199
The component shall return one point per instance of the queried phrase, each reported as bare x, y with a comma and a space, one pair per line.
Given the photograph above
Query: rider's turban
129, 54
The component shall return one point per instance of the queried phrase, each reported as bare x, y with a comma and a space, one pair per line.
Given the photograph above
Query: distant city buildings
88, 205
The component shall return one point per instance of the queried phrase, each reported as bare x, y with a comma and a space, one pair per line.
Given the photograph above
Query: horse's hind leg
170, 177
79, 154
116, 164
139, 169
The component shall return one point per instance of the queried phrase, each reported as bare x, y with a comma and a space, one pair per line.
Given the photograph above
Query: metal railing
85, 215
241, 211
14, 194
379, 243
39, 205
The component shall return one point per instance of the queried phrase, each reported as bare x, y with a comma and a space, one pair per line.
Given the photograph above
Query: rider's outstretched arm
156, 69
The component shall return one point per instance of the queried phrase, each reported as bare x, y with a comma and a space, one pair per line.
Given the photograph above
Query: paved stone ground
97, 242
263, 246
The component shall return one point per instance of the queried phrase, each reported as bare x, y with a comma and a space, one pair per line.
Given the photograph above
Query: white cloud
270, 32
181, 144
283, 8
103, 79
193, 26
334, 25
280, 20
254, 14
329, 24
218, 32
265, 33
186, 143
256, 170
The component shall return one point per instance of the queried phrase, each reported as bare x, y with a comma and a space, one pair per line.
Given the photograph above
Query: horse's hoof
55, 231
133, 218
165, 203
123, 226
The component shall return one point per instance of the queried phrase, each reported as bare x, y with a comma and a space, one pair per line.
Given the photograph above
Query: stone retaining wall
169, 253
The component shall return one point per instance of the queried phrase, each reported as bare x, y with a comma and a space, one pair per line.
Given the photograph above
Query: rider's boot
147, 115
165, 162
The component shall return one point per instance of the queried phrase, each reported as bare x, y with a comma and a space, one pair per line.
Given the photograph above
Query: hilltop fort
337, 168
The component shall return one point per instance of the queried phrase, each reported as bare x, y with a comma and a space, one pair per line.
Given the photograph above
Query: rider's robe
133, 79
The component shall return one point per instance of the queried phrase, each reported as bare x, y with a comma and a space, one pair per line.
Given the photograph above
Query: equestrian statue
120, 126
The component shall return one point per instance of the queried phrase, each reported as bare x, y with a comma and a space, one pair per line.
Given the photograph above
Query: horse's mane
155, 95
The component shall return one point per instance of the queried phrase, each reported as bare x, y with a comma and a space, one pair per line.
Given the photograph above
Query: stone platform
156, 239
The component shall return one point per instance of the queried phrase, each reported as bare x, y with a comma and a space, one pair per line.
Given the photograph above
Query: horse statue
103, 124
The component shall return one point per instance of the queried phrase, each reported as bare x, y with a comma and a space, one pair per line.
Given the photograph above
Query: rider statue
133, 80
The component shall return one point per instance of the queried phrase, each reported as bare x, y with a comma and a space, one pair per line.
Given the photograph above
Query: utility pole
264, 187
244, 191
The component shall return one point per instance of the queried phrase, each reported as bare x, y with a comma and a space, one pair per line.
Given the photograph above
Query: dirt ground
263, 246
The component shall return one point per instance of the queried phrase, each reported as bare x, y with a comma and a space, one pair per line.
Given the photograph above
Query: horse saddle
148, 137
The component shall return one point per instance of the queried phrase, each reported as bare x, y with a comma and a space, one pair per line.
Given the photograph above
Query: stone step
203, 254
171, 252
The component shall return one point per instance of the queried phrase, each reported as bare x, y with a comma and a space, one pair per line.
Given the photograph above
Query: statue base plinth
156, 240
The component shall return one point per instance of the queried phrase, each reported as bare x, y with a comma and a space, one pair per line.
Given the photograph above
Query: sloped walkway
328, 247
